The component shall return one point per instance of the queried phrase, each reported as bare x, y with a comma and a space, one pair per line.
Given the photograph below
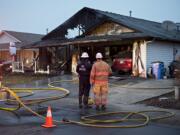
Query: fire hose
89, 120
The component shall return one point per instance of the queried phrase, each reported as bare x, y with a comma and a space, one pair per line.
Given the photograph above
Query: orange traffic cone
49, 119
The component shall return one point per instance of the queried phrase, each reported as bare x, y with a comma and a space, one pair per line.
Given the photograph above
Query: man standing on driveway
99, 80
84, 69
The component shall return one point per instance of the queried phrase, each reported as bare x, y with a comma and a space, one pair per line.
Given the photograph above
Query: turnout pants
84, 88
100, 94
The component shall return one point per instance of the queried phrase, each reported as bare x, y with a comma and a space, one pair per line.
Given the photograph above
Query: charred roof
89, 18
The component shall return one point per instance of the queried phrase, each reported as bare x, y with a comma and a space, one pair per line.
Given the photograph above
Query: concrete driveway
121, 98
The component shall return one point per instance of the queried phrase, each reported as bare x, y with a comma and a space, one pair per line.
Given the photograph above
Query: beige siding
109, 28
27, 56
4, 55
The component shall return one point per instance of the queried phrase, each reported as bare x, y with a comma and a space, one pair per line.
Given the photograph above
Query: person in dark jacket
83, 69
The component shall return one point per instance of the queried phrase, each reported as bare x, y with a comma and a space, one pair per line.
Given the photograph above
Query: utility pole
47, 30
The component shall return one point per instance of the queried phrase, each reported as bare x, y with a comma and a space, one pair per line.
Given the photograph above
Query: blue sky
36, 15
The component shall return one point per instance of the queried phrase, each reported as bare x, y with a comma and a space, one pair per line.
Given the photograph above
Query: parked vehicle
122, 62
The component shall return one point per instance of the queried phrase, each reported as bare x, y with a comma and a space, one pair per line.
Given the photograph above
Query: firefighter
83, 69
99, 81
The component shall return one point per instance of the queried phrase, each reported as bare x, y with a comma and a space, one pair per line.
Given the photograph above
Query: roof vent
169, 25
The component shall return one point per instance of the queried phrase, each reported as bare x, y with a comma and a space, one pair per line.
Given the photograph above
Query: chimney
130, 13
47, 30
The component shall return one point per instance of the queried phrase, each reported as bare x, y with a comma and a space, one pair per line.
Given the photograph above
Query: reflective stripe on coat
100, 72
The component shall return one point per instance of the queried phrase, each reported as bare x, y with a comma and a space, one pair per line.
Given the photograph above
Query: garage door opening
121, 59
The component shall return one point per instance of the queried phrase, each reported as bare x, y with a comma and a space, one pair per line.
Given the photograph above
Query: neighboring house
20, 39
94, 31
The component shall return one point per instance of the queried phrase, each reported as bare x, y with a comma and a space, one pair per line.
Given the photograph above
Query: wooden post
35, 67
1, 74
177, 92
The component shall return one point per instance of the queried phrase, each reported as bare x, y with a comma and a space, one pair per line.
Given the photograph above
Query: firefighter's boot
80, 102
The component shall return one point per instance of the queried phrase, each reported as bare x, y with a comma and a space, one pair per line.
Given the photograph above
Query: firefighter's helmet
99, 56
84, 55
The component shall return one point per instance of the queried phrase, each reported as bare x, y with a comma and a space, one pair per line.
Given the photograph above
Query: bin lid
157, 62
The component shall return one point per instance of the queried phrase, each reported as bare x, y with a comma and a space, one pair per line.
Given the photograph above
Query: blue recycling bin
158, 69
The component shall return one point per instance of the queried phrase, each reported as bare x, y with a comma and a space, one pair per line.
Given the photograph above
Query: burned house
112, 34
